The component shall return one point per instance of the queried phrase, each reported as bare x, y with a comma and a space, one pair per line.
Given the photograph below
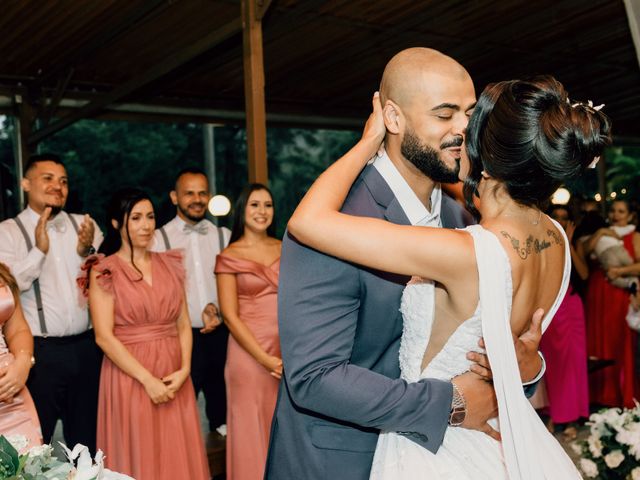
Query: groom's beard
427, 159
55, 209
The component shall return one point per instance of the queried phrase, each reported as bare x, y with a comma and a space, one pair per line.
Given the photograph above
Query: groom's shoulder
361, 200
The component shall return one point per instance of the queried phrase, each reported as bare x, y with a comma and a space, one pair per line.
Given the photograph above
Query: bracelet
458, 408
30, 354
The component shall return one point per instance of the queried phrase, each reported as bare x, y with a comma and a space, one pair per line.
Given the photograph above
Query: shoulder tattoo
532, 245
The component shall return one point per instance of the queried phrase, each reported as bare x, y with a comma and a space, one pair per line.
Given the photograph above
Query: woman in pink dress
17, 412
564, 346
148, 422
247, 278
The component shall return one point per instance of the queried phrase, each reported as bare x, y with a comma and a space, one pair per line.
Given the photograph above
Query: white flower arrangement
612, 451
18, 462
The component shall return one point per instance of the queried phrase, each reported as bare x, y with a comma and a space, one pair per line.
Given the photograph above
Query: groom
340, 324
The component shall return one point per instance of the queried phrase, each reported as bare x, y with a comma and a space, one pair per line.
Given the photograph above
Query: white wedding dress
527, 451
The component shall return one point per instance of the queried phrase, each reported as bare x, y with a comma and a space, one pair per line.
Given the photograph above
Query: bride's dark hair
526, 134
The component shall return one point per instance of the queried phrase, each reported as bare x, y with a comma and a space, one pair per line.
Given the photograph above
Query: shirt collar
32, 215
416, 212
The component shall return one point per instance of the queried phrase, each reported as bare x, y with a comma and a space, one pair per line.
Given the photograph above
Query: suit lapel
383, 196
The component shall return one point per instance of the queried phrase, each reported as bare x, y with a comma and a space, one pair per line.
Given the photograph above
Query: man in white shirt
201, 241
44, 247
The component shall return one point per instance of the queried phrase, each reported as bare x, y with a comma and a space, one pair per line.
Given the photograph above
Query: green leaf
8, 454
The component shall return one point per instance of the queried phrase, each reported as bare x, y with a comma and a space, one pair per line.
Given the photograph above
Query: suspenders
167, 244
36, 282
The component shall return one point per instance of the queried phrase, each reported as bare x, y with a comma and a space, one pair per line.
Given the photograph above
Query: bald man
340, 324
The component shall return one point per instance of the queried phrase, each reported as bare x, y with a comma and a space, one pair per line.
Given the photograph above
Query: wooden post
24, 124
254, 92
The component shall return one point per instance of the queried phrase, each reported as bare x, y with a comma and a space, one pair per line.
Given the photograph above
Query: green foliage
102, 156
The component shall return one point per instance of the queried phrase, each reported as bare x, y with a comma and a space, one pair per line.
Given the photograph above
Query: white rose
40, 451
614, 459
577, 448
589, 468
595, 446
631, 436
635, 473
19, 442
614, 417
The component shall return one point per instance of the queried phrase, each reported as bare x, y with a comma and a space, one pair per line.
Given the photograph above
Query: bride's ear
392, 117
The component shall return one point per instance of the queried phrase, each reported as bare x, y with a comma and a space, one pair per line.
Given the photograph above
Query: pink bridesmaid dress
18, 417
140, 439
251, 390
564, 346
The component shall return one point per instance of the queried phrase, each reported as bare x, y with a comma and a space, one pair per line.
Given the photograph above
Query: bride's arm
427, 252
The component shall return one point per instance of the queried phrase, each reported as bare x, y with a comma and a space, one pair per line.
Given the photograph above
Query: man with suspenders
44, 247
201, 241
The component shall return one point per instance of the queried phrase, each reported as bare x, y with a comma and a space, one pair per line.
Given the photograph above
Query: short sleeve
225, 264
104, 276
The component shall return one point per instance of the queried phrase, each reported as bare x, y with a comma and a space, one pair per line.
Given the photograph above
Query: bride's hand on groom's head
375, 128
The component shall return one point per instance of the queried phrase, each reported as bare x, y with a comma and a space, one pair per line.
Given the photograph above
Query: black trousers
64, 385
207, 372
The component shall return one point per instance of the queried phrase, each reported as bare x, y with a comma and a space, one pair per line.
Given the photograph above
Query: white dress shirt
200, 251
415, 210
65, 313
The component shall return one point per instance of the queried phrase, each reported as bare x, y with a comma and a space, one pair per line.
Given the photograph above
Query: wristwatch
458, 408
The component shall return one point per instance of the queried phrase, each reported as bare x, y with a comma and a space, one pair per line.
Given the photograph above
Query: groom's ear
391, 114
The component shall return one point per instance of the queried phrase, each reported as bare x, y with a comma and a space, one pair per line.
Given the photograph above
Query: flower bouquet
17, 462
612, 450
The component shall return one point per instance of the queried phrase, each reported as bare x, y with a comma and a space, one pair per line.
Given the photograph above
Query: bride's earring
484, 174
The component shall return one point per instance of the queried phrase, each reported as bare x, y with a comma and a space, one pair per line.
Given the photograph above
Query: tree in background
102, 156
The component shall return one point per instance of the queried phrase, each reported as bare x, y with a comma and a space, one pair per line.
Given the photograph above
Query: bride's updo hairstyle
527, 135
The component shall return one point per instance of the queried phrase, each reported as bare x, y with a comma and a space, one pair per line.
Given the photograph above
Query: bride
523, 140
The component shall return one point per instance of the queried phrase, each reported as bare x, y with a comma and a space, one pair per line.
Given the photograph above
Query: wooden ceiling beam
170, 63
83, 50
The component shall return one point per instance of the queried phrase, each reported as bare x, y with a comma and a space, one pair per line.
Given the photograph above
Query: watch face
457, 417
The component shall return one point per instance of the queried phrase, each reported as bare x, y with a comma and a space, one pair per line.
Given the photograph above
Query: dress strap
530, 451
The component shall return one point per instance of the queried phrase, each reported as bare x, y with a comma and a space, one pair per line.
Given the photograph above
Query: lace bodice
417, 309
527, 451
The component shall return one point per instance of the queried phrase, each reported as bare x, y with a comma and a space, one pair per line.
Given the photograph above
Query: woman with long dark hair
247, 277
148, 422
17, 412
523, 140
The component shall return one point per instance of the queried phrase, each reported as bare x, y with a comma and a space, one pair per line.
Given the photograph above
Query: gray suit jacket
340, 329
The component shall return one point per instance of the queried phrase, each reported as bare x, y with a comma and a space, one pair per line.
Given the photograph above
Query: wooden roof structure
64, 60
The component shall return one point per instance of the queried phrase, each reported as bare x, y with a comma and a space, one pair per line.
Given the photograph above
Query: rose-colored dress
140, 439
18, 417
251, 391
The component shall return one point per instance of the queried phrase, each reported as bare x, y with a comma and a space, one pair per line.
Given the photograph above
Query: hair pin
594, 162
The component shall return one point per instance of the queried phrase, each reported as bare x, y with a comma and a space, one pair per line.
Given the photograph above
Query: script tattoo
555, 237
531, 245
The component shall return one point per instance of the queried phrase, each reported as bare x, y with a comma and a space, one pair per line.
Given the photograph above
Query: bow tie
58, 224
199, 227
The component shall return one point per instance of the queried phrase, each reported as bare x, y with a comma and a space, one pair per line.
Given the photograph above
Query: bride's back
524, 139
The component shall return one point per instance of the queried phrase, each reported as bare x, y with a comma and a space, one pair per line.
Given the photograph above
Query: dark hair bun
528, 135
